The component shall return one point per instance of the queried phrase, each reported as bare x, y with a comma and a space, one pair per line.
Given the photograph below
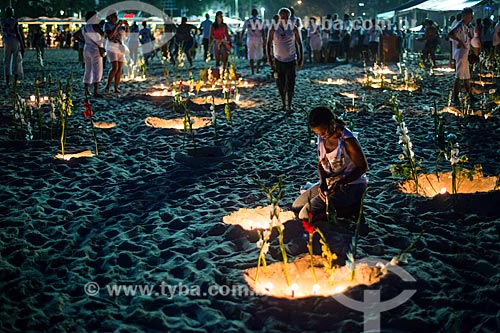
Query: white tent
443, 5
428, 6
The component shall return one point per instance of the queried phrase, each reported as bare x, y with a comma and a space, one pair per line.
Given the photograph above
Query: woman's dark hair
322, 116
89, 15
216, 24
9, 11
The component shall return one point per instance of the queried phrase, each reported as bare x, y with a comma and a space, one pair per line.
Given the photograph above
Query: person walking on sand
451, 25
255, 40
205, 34
283, 41
314, 40
431, 38
221, 40
116, 31
461, 36
133, 42
374, 34
146, 38
184, 39
342, 168
345, 35
94, 39
14, 46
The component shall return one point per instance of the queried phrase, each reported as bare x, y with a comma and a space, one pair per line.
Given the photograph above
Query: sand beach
148, 210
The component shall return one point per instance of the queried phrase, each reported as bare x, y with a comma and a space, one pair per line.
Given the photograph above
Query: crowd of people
284, 43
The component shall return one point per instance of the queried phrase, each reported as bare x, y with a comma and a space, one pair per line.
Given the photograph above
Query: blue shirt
205, 28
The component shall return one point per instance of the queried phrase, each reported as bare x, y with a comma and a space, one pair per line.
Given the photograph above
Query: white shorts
93, 65
255, 48
462, 71
114, 53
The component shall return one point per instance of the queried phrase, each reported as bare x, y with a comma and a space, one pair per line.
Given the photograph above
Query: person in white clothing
314, 39
283, 41
461, 36
475, 43
94, 39
342, 167
116, 31
255, 40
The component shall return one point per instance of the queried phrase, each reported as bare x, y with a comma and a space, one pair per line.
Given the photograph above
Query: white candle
294, 287
316, 288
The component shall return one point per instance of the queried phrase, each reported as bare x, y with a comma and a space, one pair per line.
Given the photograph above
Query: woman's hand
322, 195
331, 191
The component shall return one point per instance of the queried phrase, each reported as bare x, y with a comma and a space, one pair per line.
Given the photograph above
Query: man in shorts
461, 36
255, 40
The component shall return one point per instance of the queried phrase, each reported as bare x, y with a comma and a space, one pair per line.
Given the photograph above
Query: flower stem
283, 253
63, 133
309, 246
95, 136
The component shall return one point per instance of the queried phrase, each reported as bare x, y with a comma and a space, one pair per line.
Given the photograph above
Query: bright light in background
299, 2
262, 11
61, 12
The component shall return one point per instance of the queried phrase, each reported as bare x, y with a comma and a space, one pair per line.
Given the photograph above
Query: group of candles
268, 287
43, 99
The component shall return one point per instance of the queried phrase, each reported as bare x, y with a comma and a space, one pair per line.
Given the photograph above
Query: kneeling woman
341, 166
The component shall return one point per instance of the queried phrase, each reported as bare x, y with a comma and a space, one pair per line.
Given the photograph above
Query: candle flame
316, 288
340, 289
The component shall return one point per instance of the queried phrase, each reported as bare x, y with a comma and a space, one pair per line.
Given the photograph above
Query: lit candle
443, 190
294, 287
316, 288
340, 289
